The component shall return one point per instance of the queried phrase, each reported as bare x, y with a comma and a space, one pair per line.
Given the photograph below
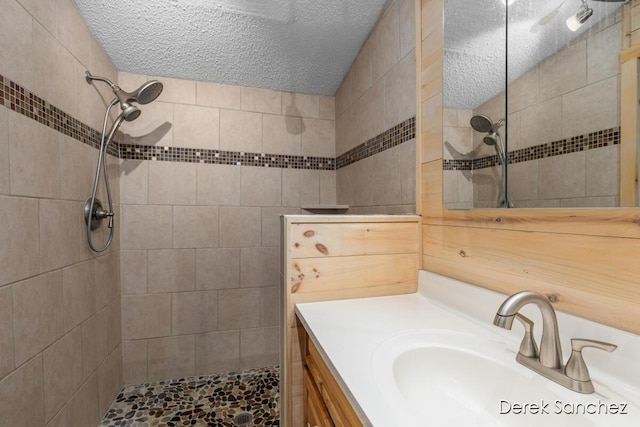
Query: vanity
435, 358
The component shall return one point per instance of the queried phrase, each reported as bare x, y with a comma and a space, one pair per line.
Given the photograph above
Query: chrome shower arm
89, 77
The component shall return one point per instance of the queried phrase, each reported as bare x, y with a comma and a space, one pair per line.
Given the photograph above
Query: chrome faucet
548, 361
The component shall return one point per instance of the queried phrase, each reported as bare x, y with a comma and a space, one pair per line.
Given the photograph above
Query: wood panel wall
588, 258
338, 257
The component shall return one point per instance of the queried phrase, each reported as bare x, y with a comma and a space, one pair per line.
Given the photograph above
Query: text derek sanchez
559, 407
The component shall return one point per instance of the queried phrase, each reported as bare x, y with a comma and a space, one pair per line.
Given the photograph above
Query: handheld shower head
490, 139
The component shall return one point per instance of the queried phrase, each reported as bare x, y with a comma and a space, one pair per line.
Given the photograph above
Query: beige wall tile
146, 316
172, 183
134, 362
239, 308
172, 270
194, 312
240, 227
34, 158
240, 131
360, 74
261, 186
21, 396
146, 227
564, 71
83, 408
523, 181
107, 279
196, 127
270, 306
541, 123
603, 171
281, 134
327, 187
218, 95
43, 11
60, 419
386, 177
114, 324
371, 107
408, 172
524, 91
109, 380
37, 314
449, 118
134, 182
261, 100
271, 223
18, 238
327, 107
5, 186
54, 71
218, 184
72, 32
259, 347
217, 268
318, 138
217, 352
62, 367
95, 345
77, 168
400, 93
406, 13
177, 91
343, 96
385, 43
6, 331
195, 226
16, 41
62, 234
172, 357
300, 187
79, 293
153, 127
591, 108
603, 53
562, 176
259, 267
133, 272
300, 105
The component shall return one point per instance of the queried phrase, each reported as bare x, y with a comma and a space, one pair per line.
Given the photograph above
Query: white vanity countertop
348, 332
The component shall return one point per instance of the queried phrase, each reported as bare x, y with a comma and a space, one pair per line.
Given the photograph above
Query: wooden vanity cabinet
325, 405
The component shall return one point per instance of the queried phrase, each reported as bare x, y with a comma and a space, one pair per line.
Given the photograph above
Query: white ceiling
304, 46
474, 38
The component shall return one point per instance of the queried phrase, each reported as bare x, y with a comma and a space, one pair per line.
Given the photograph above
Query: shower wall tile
172, 357
43, 11
82, 409
259, 347
109, 380
19, 249
107, 278
562, 176
146, 227
259, 267
16, 41
21, 395
5, 187
271, 222
270, 306
196, 127
60, 419
541, 123
371, 108
261, 100
114, 325
195, 226
564, 71
407, 26
172, 183
77, 161
218, 95
302, 187
134, 362
62, 371
592, 108
218, 185
360, 73
385, 41
523, 181
328, 187
146, 316
318, 138
34, 158
603, 171
261, 186
240, 227
155, 129
218, 268
6, 331
79, 293
603, 53
37, 315
239, 308
134, 182
386, 177
71, 30
523, 92
133, 272
194, 312
176, 91
281, 134
408, 173
172, 270
95, 344
240, 131
400, 91
217, 352
300, 105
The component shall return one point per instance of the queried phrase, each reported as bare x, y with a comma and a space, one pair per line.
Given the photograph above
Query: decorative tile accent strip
589, 141
197, 155
248, 398
396, 135
20, 100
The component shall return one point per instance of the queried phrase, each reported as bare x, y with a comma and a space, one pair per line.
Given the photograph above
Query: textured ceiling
304, 46
474, 38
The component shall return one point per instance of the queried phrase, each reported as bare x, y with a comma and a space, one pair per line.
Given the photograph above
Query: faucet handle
576, 368
528, 346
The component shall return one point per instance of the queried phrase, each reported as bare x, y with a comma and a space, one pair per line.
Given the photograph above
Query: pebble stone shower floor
247, 398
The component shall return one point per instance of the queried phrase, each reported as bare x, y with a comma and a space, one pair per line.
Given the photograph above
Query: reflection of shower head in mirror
482, 123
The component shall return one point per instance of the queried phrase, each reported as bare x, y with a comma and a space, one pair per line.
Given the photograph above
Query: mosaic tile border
588, 141
246, 398
22, 101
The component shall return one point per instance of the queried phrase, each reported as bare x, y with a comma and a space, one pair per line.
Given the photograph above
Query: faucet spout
550, 349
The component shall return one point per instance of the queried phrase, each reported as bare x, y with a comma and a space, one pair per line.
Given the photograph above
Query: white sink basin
451, 378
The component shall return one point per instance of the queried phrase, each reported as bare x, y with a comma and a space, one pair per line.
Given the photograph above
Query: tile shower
189, 287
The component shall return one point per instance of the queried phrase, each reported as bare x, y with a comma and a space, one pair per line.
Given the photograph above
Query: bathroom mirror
530, 83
